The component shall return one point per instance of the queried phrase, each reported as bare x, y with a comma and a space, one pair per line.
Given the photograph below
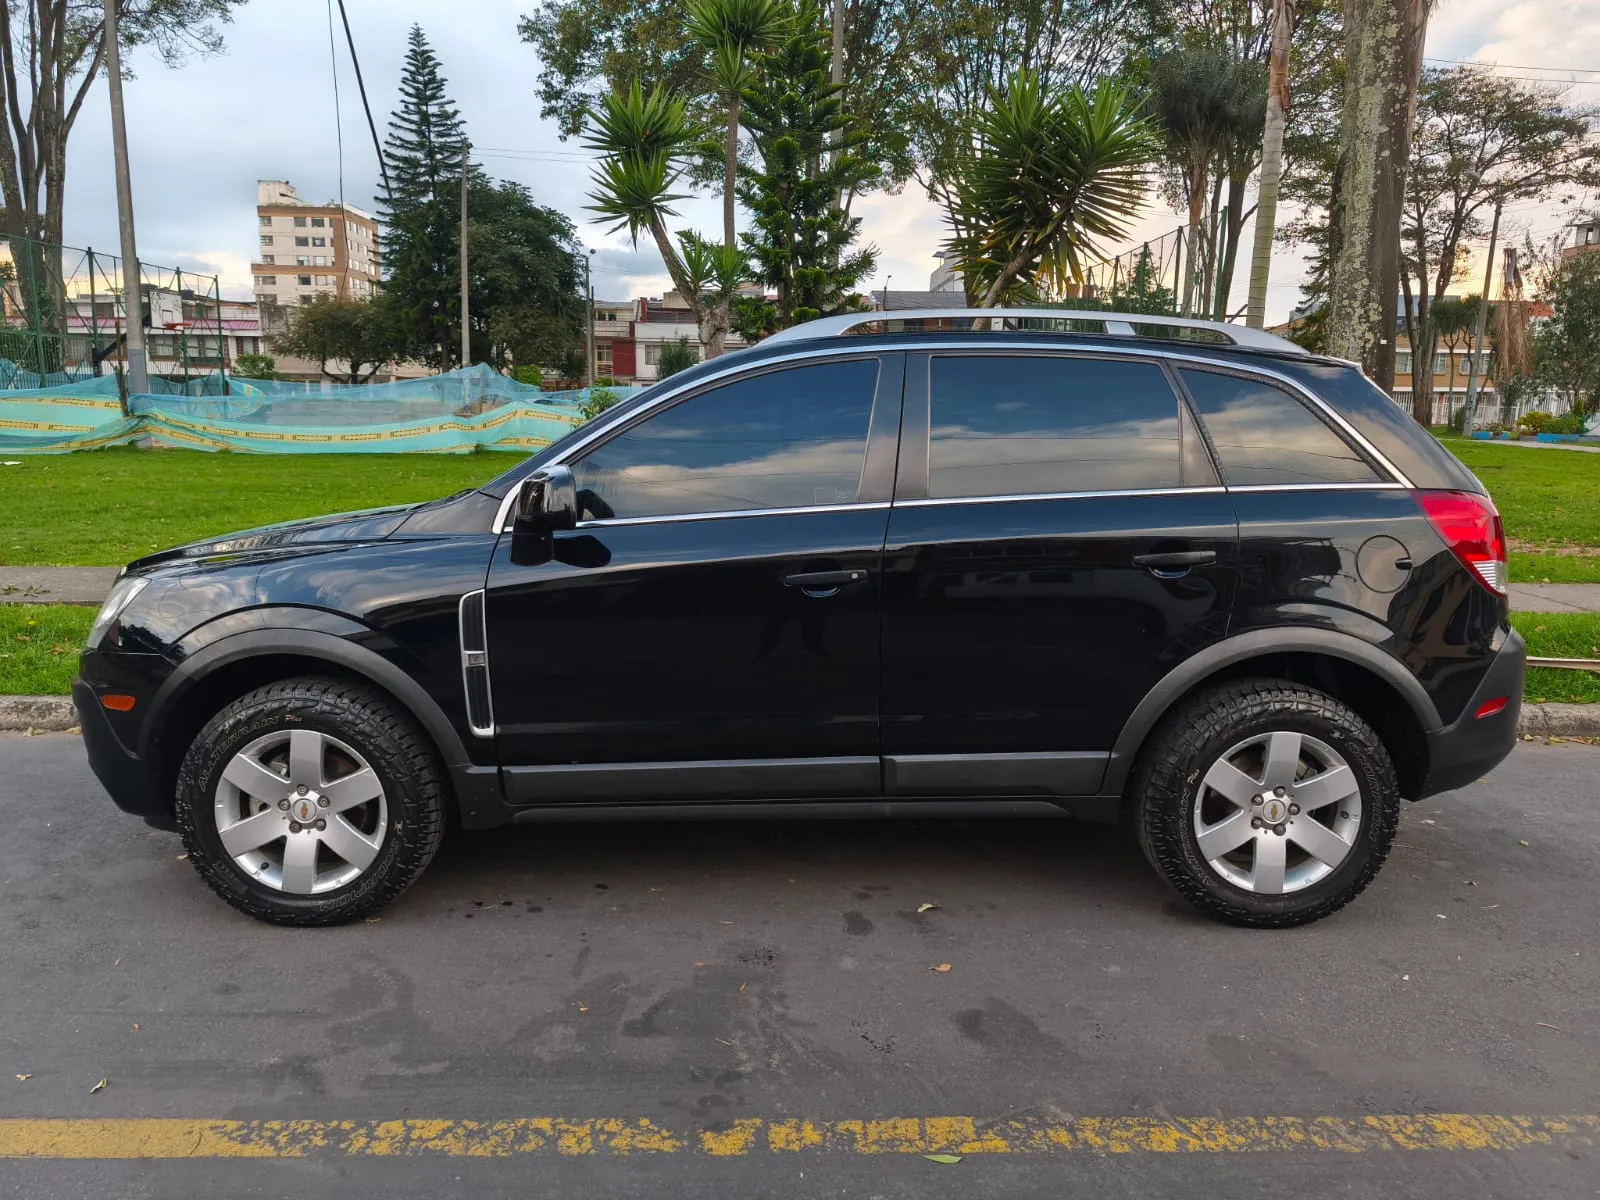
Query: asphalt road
702, 976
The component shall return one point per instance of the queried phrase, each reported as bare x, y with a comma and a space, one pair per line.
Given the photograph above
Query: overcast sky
201, 136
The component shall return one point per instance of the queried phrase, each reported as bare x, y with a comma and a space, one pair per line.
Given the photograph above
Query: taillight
1471, 527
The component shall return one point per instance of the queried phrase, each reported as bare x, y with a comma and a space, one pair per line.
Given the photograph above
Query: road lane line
169, 1138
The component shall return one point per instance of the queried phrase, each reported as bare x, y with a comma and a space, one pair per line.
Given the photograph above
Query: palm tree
732, 31
1044, 176
644, 143
714, 271
1195, 98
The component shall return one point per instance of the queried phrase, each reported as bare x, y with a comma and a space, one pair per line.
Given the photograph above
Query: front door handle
1174, 564
813, 581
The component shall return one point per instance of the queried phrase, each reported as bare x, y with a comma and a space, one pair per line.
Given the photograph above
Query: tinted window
1264, 435
785, 439
1010, 426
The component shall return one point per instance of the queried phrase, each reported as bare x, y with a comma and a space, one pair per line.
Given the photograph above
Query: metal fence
1149, 275
62, 319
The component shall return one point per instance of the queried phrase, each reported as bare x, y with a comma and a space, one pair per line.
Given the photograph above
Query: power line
338, 123
383, 166
1472, 62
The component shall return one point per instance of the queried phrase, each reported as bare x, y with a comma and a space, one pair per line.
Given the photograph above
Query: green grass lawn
104, 507
39, 646
1550, 502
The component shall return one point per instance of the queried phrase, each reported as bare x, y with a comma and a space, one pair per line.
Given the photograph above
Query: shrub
677, 356
255, 366
604, 381
529, 375
1570, 422
598, 401
1534, 422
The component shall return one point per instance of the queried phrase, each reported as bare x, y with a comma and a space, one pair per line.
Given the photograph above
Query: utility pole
837, 77
588, 286
1471, 421
132, 296
466, 329
1271, 161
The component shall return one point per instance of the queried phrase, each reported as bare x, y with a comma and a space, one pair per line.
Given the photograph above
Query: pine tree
801, 244
421, 213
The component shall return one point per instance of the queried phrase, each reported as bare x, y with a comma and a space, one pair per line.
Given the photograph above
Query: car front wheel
1266, 803
310, 802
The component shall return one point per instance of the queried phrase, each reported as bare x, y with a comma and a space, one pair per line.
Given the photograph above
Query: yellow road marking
610, 1136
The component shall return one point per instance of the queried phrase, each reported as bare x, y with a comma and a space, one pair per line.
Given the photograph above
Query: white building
309, 250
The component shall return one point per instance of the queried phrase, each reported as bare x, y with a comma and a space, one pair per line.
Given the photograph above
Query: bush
677, 356
255, 366
1570, 422
599, 400
605, 381
1534, 422
529, 375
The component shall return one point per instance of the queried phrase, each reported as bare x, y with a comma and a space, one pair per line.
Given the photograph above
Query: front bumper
1462, 753
126, 777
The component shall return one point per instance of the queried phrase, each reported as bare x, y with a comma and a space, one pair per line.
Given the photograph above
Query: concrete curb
53, 714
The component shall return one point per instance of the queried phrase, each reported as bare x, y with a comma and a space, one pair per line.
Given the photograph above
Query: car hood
368, 525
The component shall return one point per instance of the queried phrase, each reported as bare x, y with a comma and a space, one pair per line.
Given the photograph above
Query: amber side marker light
117, 702
1491, 707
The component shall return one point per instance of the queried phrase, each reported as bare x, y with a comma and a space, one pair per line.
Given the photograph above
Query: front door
711, 627
1066, 543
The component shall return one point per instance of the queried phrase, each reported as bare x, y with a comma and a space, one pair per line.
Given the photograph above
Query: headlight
121, 596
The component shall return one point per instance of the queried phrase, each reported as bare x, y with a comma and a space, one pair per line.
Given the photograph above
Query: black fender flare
309, 643
1198, 667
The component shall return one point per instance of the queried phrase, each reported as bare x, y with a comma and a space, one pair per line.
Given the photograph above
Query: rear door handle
1174, 563
818, 580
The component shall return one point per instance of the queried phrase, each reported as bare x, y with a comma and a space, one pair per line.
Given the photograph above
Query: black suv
1185, 573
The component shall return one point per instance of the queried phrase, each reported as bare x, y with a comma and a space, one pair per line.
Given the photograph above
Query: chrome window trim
732, 513
844, 350
1024, 497
1319, 487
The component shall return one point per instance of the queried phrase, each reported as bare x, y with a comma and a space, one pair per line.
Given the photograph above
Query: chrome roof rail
1116, 324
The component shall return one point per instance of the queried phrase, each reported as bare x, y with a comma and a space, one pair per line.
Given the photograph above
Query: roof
896, 301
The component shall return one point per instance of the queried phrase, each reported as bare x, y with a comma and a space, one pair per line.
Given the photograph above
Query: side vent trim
475, 665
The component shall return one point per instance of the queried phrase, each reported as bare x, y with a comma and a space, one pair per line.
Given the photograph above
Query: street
743, 1000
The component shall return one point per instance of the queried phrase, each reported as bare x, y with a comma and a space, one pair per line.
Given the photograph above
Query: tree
1454, 319
525, 277
49, 62
1271, 160
1567, 346
1480, 140
361, 334
712, 272
255, 366
732, 32
800, 247
421, 212
1383, 52
677, 355
1045, 176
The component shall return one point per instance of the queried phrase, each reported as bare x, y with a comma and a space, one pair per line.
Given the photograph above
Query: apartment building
308, 250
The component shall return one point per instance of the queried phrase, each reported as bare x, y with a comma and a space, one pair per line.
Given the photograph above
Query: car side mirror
546, 501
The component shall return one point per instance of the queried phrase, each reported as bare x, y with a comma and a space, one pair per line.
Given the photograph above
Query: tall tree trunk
1234, 227
1271, 162
1214, 232
730, 172
1383, 46
1197, 203
680, 280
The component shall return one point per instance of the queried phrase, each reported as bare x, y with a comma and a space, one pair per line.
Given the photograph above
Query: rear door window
1264, 435
793, 438
1022, 425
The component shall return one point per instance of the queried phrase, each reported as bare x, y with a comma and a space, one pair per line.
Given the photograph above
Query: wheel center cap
303, 809
1274, 810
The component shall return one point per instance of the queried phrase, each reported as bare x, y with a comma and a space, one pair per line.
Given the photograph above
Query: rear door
1059, 541
711, 627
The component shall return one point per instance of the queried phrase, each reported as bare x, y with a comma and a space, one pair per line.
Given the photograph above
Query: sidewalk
88, 586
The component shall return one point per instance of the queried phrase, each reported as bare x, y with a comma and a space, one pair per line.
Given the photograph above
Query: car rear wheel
310, 802
1266, 803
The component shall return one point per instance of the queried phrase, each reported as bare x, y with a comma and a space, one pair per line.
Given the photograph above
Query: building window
299, 222
269, 280
266, 239
300, 260
324, 280
301, 241
319, 260
1441, 363
652, 354
319, 241
1402, 362
303, 280
268, 258
266, 222
602, 359
266, 298
307, 299
317, 222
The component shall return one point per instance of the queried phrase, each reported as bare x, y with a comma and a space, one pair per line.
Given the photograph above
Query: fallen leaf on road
942, 968
948, 1160
136, 1024
99, 1087
1547, 1025
742, 986
24, 1078
926, 907
1429, 821
583, 1008
1403, 977
181, 857
1441, 916
1521, 842
118, 963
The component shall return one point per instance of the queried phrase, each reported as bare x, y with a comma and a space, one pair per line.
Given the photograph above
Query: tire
372, 828
1183, 790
